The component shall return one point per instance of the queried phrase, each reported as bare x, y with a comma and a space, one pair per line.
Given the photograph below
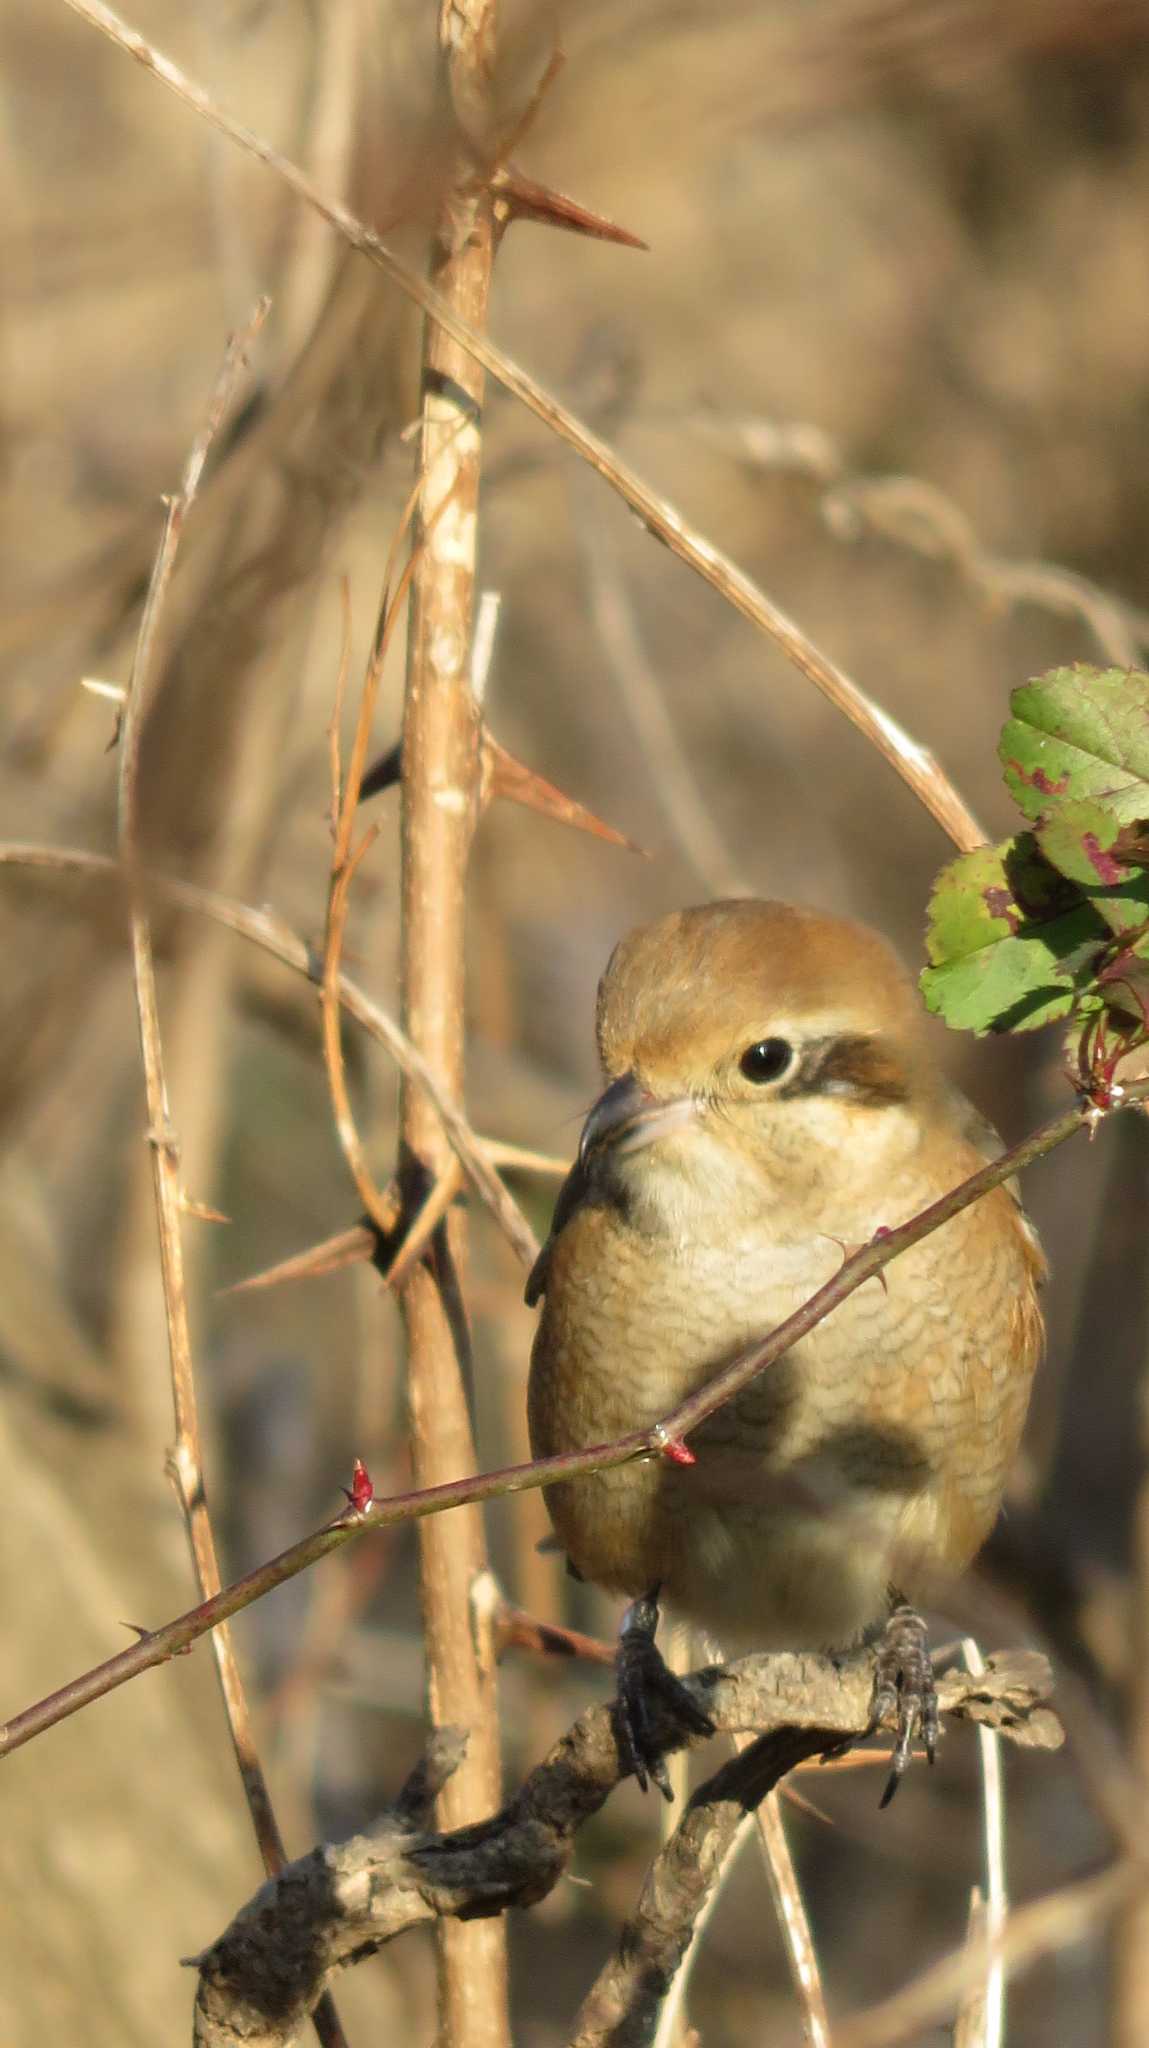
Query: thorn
348, 1248
360, 1494
382, 774
503, 776
516, 1629
848, 1251
518, 197
882, 1231
804, 1805
421, 1228
202, 1211
185, 1649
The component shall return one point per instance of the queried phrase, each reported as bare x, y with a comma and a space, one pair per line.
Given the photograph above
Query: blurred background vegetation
890, 239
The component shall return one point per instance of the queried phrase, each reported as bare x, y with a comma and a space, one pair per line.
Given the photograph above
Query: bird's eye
768, 1060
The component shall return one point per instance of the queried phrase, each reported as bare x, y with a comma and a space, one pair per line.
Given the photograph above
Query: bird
771, 1101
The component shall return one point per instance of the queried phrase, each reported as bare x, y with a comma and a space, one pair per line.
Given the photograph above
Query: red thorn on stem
504, 776
521, 198
361, 1492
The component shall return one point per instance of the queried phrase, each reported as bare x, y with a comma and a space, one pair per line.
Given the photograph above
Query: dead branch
269, 932
185, 1461
913, 513
913, 763
260, 1979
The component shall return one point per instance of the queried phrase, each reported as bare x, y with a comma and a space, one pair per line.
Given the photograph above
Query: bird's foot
646, 1683
904, 1691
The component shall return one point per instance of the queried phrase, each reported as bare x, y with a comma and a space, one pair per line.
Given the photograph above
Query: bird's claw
647, 1692
904, 1692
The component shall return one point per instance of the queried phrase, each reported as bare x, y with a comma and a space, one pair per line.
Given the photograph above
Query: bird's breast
900, 1410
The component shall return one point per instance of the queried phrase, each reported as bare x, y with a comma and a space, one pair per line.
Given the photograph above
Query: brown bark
440, 803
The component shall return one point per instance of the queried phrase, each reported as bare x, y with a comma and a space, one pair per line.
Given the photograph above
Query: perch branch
258, 1980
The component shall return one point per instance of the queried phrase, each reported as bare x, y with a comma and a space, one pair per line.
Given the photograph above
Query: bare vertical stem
981, 2021
793, 1919
440, 804
185, 1460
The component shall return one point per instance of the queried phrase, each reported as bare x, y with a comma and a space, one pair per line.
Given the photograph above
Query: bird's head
756, 1042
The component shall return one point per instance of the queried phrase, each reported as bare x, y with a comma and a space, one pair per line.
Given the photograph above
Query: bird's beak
626, 1117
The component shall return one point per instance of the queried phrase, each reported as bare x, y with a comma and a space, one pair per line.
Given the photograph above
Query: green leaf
1085, 841
1011, 943
1080, 732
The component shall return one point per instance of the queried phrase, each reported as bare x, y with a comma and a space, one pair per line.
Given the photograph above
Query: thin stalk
477, 1156
985, 2027
185, 1459
793, 1919
440, 806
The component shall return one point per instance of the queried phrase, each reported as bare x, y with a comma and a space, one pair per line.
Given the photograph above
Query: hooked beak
627, 1117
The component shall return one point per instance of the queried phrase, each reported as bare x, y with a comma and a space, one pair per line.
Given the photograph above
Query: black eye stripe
863, 1069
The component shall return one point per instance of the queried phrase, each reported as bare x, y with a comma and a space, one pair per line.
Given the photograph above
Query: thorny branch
913, 763
258, 1980
441, 801
269, 932
156, 1647
185, 1461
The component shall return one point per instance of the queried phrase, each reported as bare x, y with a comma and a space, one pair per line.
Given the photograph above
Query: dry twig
793, 1919
185, 1461
913, 763
672, 777
915, 514
981, 2022
476, 1155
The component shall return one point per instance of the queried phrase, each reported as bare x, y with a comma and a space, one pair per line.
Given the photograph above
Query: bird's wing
571, 1196
977, 1131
